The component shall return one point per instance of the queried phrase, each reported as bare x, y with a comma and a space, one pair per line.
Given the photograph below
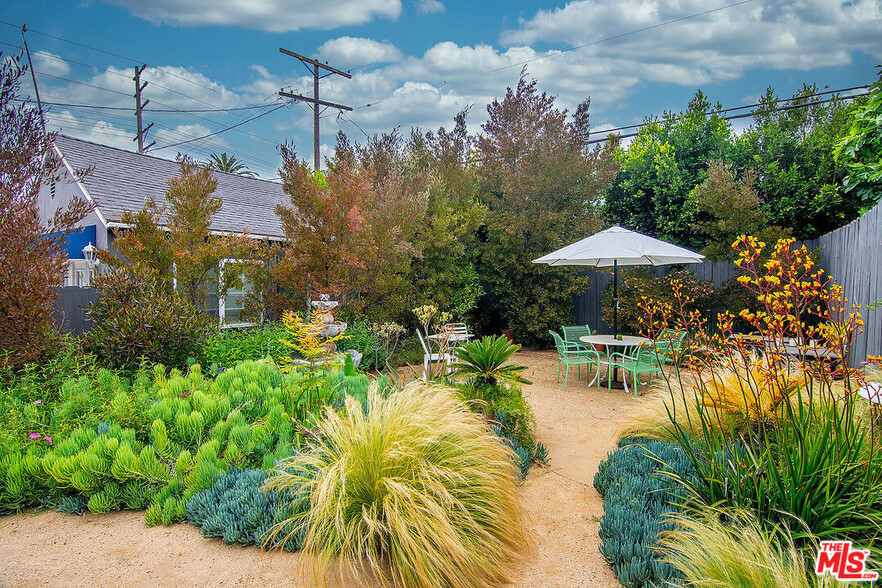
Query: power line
84, 46
126, 75
148, 110
164, 128
734, 108
171, 109
113, 131
736, 116
621, 35
164, 71
347, 119
54, 77
238, 124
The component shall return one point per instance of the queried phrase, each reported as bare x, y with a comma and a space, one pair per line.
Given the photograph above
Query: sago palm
485, 360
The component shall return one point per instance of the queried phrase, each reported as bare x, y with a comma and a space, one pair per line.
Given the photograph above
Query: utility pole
24, 29
316, 103
139, 107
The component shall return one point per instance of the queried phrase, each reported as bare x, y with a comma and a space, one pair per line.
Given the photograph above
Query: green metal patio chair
668, 347
642, 362
571, 334
574, 354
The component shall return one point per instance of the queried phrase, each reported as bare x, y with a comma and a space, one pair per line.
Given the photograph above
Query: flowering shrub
639, 283
771, 421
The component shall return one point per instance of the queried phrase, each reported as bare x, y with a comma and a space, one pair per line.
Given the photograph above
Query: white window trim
221, 301
75, 265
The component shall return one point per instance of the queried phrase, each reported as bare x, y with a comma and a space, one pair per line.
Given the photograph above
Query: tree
790, 147
230, 165
444, 273
728, 207
187, 252
667, 159
860, 151
540, 184
350, 231
32, 256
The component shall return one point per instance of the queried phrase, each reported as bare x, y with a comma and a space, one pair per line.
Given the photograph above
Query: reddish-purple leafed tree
31, 263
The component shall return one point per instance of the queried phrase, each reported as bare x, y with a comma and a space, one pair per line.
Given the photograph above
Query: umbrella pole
616, 298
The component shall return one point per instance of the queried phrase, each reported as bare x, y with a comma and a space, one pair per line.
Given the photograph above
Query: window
78, 274
231, 305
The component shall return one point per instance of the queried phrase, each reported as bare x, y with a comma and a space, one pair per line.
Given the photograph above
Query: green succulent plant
485, 360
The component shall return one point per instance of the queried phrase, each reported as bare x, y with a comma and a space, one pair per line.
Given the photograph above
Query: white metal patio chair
459, 334
429, 357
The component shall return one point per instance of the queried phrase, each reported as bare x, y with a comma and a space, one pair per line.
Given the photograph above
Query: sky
215, 64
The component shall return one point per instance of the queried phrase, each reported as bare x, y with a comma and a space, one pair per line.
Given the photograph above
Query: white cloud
356, 51
166, 136
167, 87
790, 35
49, 63
430, 7
268, 15
427, 89
90, 129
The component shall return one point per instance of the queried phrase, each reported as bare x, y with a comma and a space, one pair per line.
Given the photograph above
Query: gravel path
51, 549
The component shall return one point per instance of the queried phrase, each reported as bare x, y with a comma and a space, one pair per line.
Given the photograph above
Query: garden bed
52, 549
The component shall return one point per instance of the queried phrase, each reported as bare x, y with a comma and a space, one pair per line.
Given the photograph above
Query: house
123, 181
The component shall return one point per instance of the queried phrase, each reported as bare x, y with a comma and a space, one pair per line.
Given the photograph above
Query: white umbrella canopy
619, 246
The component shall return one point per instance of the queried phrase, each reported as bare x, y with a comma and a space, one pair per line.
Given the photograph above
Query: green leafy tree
540, 184
667, 159
31, 263
790, 148
728, 207
187, 252
444, 272
860, 151
230, 165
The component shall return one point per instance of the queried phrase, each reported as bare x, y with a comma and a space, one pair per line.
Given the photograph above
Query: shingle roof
123, 180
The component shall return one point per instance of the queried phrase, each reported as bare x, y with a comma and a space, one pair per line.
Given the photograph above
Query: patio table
451, 337
872, 391
623, 341
453, 340
789, 347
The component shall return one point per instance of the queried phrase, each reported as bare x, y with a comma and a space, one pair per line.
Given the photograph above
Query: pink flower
38, 402
48, 439
34, 435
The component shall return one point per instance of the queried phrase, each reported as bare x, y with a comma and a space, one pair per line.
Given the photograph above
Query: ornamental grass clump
739, 554
413, 491
732, 397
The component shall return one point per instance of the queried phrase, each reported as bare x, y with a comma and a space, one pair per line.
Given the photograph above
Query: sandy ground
51, 549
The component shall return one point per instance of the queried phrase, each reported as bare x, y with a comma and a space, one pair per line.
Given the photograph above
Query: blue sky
417, 62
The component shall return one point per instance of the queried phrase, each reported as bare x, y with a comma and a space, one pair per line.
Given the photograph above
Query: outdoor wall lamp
90, 253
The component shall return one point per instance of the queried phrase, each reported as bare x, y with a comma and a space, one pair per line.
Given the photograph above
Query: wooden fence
588, 306
852, 255
71, 306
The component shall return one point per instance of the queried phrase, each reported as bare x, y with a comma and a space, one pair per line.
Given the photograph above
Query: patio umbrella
618, 246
